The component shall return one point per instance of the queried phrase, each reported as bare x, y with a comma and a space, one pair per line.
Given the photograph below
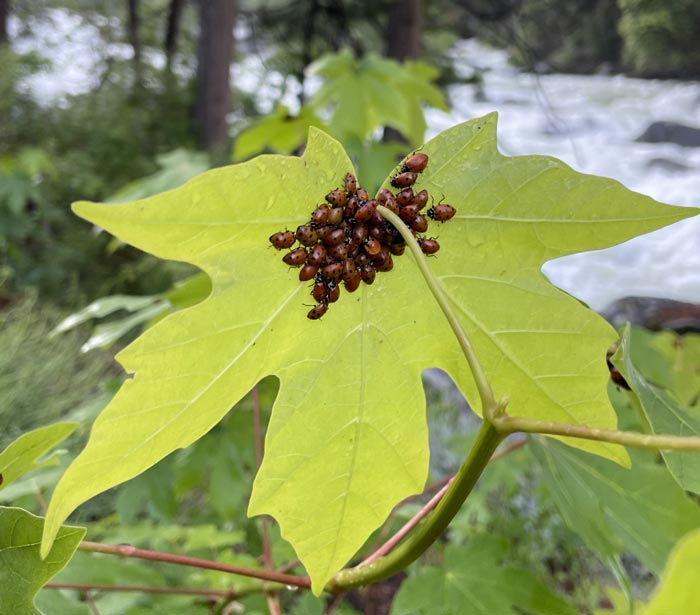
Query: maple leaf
348, 438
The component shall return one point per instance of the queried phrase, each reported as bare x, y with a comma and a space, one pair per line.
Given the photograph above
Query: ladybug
282, 240
377, 232
349, 269
307, 272
317, 254
386, 265
408, 213
421, 199
371, 247
419, 224
384, 196
368, 273
415, 163
338, 252
352, 282
428, 246
320, 215
404, 180
351, 208
295, 258
333, 292
335, 215
362, 194
441, 212
317, 311
359, 234
405, 197
306, 235
350, 183
397, 249
366, 211
337, 198
335, 238
319, 292
332, 271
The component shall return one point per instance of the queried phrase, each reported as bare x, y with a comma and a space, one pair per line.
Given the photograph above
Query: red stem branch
195, 562
389, 545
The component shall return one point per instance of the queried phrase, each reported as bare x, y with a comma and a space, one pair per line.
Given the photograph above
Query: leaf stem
487, 440
195, 562
488, 399
512, 424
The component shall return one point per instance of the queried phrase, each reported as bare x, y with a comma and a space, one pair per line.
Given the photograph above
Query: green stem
507, 425
487, 441
488, 399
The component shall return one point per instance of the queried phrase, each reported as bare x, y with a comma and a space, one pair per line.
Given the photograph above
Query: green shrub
661, 37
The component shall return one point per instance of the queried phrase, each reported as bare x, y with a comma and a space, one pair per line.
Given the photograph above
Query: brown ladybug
421, 199
415, 163
307, 272
317, 311
404, 180
350, 183
405, 197
419, 224
306, 235
337, 198
316, 255
335, 215
428, 246
295, 258
320, 215
282, 240
319, 292
441, 212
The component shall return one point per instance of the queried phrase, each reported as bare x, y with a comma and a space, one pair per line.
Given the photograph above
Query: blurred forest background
170, 88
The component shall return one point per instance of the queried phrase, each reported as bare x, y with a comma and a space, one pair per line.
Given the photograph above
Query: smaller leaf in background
678, 592
21, 456
96, 568
177, 167
614, 509
665, 377
373, 92
61, 602
22, 571
474, 581
279, 133
141, 310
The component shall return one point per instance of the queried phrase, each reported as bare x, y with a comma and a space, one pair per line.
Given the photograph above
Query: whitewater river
590, 122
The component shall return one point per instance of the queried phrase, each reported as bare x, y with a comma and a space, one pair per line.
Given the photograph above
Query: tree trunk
133, 26
213, 72
4, 14
404, 34
172, 32
405, 30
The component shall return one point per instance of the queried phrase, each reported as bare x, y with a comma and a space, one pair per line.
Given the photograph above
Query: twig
195, 562
389, 545
87, 596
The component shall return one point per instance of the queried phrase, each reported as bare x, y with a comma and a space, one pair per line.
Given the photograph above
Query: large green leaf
473, 581
678, 591
645, 357
347, 438
615, 509
22, 570
21, 455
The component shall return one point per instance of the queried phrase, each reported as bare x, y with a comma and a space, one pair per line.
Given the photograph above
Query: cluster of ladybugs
347, 240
